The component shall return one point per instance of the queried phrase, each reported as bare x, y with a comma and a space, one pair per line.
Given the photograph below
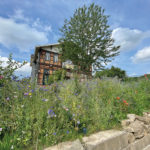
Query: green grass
36, 117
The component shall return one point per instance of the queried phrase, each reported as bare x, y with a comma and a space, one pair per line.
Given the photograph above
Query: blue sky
27, 23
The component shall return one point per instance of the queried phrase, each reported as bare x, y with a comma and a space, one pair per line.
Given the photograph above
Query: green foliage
34, 117
130, 79
57, 76
8, 72
112, 72
86, 38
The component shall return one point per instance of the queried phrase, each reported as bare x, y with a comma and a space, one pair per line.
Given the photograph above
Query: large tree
86, 38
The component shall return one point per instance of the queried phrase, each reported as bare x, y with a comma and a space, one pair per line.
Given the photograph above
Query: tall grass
34, 117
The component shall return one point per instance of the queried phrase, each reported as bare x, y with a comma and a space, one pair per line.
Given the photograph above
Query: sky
25, 24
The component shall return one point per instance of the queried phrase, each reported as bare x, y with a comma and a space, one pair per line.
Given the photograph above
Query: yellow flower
76, 128
30, 94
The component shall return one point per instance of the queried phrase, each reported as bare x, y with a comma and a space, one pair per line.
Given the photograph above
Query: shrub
112, 72
57, 76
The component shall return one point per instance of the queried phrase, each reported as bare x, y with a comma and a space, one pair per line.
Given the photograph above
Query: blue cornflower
51, 113
54, 133
76, 94
67, 132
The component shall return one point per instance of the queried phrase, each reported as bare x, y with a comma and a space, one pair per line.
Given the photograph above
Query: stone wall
134, 136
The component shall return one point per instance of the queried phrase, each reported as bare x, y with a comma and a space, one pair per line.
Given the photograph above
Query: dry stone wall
134, 136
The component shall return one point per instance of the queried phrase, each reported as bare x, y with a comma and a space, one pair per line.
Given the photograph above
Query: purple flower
7, 98
26, 94
51, 113
67, 132
76, 94
54, 133
1, 129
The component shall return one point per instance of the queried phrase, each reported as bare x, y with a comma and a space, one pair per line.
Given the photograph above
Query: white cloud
133, 75
4, 61
18, 16
142, 55
127, 38
20, 35
39, 25
24, 70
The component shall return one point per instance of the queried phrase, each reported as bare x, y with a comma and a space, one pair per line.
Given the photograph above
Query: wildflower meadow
34, 117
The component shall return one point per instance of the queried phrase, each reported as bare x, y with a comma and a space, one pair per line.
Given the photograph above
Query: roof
46, 48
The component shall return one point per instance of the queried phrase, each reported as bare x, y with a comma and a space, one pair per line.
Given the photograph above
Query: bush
57, 76
112, 72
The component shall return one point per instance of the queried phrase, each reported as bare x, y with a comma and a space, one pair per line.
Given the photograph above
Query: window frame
54, 58
47, 55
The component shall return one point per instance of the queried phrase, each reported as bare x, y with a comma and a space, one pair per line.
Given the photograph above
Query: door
45, 76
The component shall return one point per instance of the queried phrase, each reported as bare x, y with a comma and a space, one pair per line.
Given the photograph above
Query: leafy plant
57, 76
112, 72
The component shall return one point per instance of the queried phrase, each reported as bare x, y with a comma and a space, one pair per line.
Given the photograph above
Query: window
47, 56
55, 58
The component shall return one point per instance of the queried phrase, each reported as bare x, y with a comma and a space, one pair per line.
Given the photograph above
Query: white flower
22, 106
23, 132
12, 147
66, 109
78, 122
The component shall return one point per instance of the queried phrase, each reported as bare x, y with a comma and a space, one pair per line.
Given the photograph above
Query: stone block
147, 147
131, 117
139, 144
145, 119
75, 145
125, 123
106, 140
131, 138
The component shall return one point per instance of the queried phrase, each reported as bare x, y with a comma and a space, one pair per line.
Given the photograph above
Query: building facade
45, 60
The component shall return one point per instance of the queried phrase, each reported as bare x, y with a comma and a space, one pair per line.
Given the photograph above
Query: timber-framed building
47, 59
